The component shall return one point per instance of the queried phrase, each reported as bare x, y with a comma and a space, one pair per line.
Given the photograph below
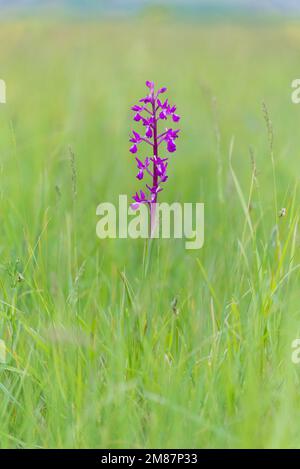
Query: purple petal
141, 198
161, 169
136, 136
150, 84
136, 197
146, 122
133, 149
139, 163
145, 100
135, 205
171, 147
165, 104
163, 115
154, 189
149, 132
173, 134
176, 118
136, 108
137, 117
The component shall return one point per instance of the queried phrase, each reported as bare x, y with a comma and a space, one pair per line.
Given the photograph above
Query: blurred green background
196, 351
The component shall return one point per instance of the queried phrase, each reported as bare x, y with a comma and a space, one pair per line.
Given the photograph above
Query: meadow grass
195, 352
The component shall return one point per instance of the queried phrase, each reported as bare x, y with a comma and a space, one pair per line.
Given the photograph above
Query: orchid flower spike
151, 111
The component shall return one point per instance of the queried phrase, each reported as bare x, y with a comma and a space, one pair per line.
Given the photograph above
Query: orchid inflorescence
149, 112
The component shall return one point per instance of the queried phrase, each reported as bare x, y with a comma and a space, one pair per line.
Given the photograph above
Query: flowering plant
150, 111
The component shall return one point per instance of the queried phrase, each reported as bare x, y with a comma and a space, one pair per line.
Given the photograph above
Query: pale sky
264, 4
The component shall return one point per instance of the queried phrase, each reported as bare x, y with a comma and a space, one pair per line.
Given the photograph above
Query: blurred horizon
195, 8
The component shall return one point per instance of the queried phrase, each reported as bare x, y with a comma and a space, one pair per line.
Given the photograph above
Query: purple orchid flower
139, 199
142, 167
150, 111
